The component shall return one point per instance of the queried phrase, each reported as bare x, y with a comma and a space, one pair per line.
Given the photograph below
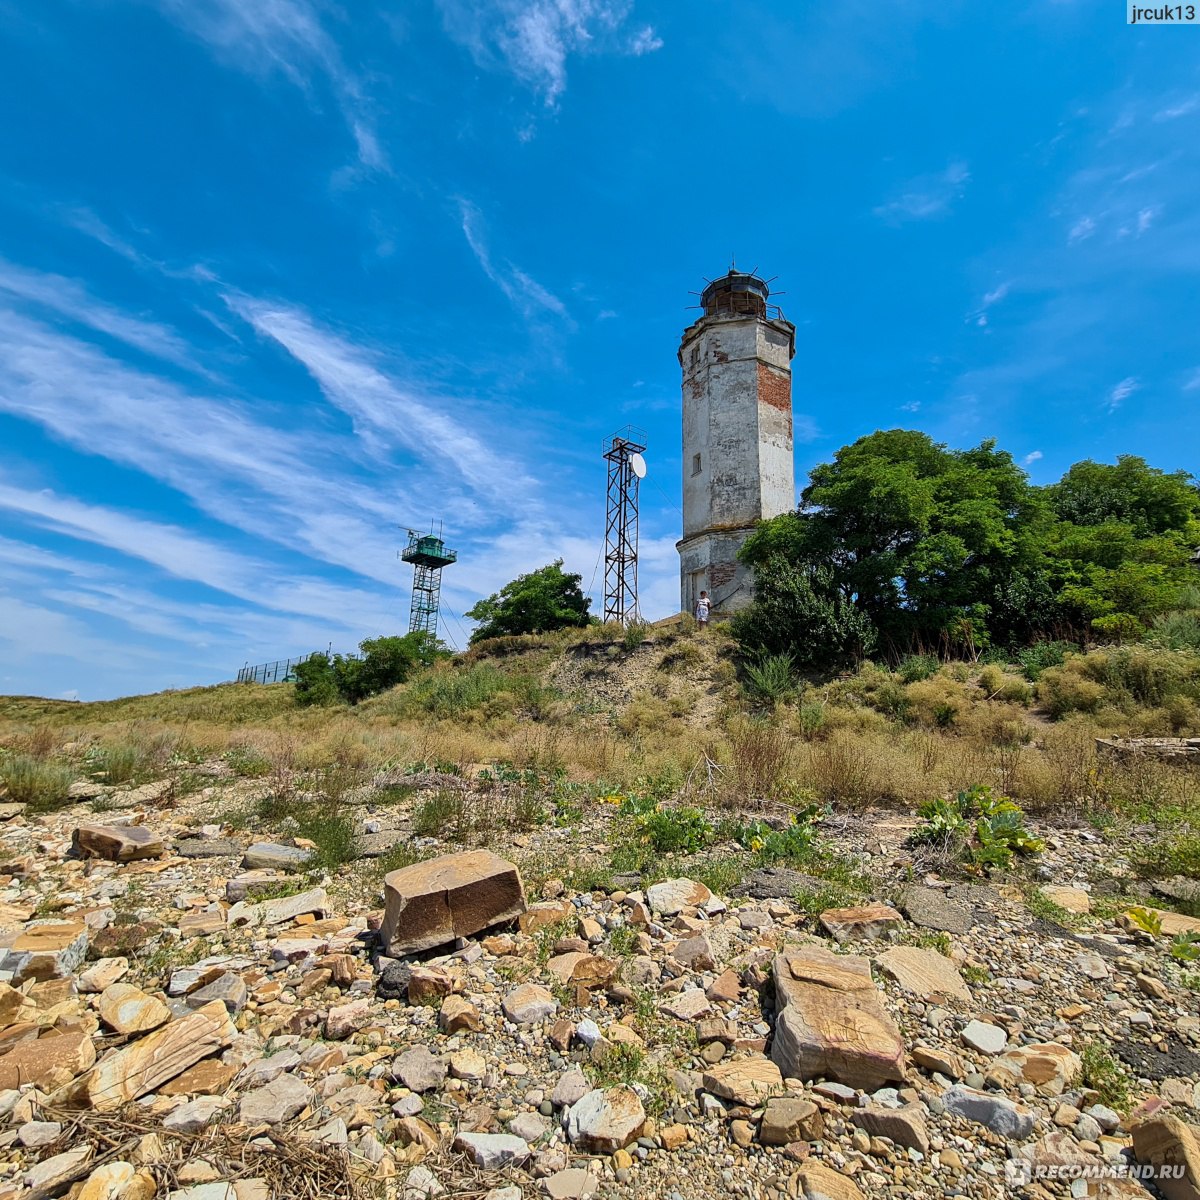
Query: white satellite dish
638, 463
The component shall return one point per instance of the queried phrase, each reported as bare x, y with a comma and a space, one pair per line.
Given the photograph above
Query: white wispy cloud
1122, 392
1082, 230
927, 196
980, 315
524, 292
69, 299
1179, 108
1032, 457
1192, 383
534, 39
287, 38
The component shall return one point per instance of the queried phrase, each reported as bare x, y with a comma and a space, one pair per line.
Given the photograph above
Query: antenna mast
626, 469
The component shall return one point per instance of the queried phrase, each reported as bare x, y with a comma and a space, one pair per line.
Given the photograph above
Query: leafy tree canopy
382, 663
950, 550
543, 600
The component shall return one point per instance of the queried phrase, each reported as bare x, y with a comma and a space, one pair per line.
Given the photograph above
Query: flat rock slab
672, 896
776, 883
434, 902
931, 909
140, 1067
491, 1151
606, 1121
1167, 1142
832, 1022
987, 1039
865, 921
1072, 899
47, 950
993, 1111
269, 854
924, 973
202, 847
744, 1080
1051, 1068
128, 1009
117, 843
48, 1062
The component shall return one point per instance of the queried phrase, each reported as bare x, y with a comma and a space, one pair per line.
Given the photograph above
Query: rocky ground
190, 1012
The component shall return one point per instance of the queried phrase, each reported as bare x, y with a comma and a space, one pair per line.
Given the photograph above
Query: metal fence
274, 672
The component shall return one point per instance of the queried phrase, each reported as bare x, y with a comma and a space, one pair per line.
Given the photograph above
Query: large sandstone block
832, 1022
117, 843
140, 1067
48, 1062
434, 902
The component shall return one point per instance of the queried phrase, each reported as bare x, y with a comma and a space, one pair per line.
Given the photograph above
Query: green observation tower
428, 555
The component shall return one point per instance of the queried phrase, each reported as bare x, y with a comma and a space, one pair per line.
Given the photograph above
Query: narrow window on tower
695, 464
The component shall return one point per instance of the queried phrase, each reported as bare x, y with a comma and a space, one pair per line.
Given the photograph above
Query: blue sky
278, 279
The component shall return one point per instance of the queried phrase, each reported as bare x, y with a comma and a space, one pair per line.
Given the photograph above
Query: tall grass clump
454, 693
771, 679
760, 758
42, 784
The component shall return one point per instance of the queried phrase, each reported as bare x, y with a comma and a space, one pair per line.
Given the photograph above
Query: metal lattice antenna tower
428, 554
626, 467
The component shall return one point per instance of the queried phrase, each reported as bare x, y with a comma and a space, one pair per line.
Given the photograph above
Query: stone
49, 1062
110, 1182
815, 1181
434, 902
787, 1119
925, 973
604, 1121
572, 1183
426, 984
229, 987
1092, 965
287, 908
468, 1064
125, 1074
344, 1019
570, 1089
688, 1005
196, 846
34, 1134
744, 1080
275, 1102
128, 1009
831, 1022
15, 1007
1072, 899
194, 1115
272, 855
459, 1015
102, 974
544, 915
117, 843
208, 1078
419, 1069
47, 950
674, 895
945, 1062
930, 909
528, 1004
51, 1174
775, 883
695, 953
1164, 1141
864, 921
995, 1112
491, 1151
1049, 1067
987, 1039
904, 1126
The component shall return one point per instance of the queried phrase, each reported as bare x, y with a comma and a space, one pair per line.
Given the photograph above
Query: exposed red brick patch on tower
721, 573
774, 388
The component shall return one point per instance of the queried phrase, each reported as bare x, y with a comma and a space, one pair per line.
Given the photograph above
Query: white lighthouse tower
737, 434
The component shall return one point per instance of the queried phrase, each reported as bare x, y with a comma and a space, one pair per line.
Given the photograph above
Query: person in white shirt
703, 607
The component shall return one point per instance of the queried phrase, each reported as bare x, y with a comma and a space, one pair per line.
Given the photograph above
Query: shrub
915, 667
760, 757
636, 632
771, 678
382, 663
843, 770
434, 816
674, 830
1176, 631
1036, 658
984, 829
1063, 690
43, 785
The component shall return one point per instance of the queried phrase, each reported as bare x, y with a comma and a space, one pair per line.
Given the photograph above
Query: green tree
937, 548
381, 663
546, 599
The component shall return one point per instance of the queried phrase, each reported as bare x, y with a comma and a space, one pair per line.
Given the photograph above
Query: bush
1176, 631
382, 663
772, 678
1036, 658
1063, 690
539, 602
43, 785
760, 757
984, 829
915, 667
